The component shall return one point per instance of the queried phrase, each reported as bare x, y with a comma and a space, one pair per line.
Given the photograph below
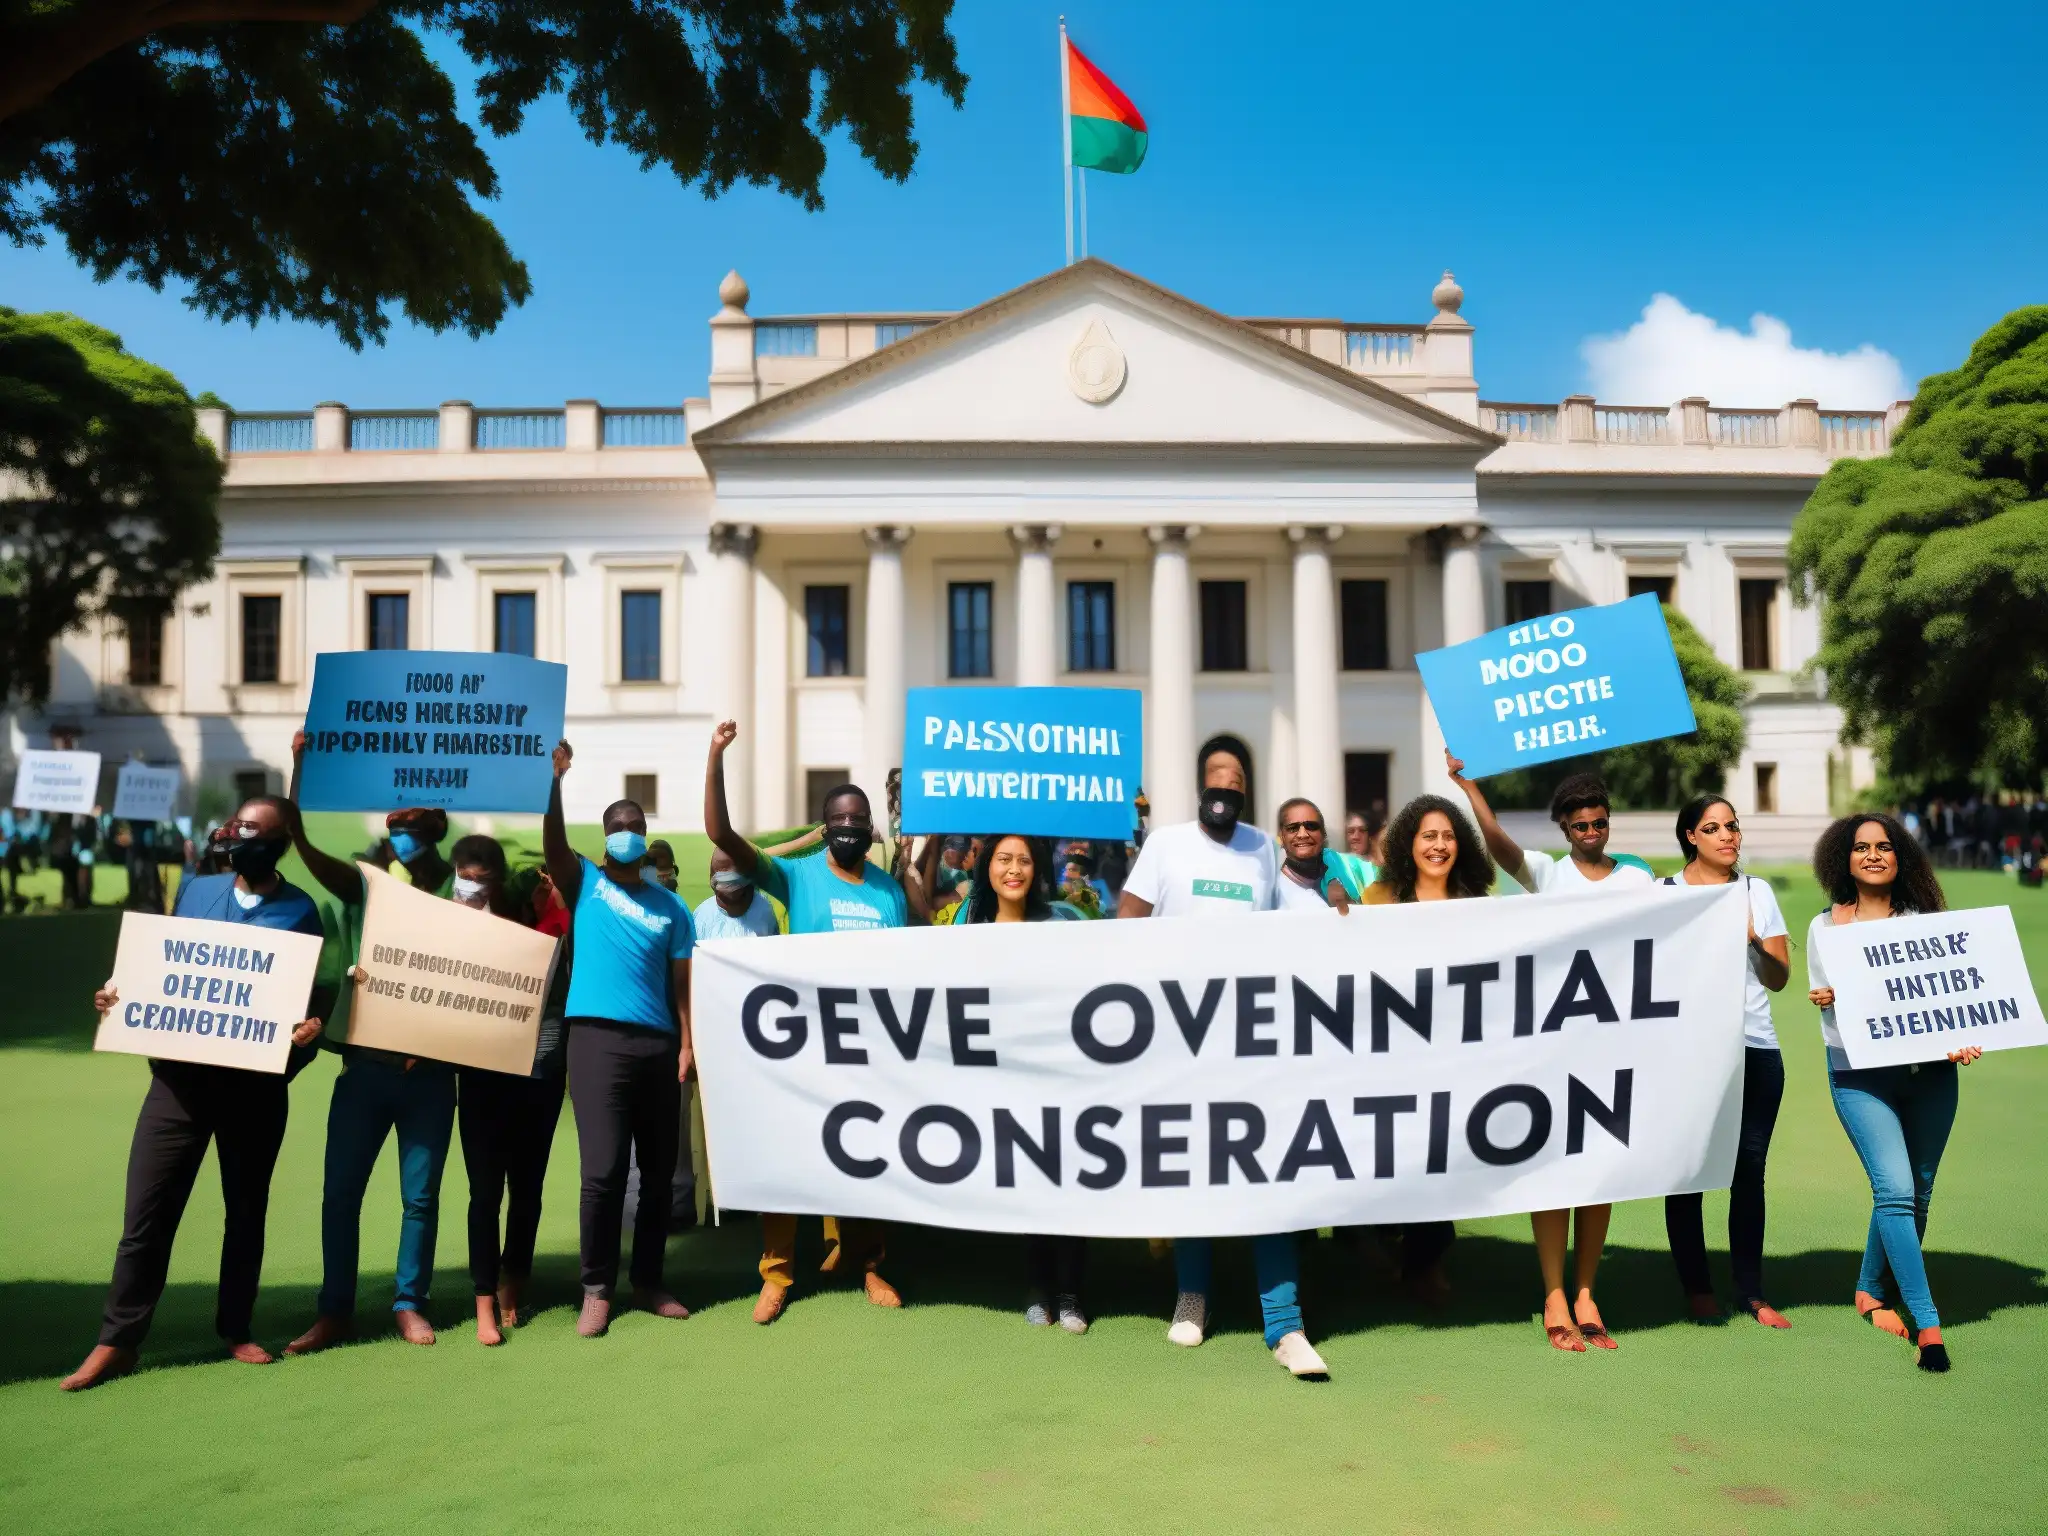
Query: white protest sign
1229, 1076
58, 781
143, 793
1916, 988
190, 989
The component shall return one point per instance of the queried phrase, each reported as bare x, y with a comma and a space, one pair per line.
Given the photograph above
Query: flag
1107, 133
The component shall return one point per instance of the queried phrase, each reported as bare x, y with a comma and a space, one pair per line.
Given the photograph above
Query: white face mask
246, 900
468, 892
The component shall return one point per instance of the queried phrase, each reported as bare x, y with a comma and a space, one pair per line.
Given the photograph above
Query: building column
769, 724
1464, 615
882, 695
732, 675
1170, 700
1037, 606
1319, 743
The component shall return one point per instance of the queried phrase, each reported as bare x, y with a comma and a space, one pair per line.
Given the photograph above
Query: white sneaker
1299, 1356
1190, 1320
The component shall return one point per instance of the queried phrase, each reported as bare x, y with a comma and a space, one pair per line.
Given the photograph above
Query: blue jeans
372, 1097
1274, 1261
1898, 1121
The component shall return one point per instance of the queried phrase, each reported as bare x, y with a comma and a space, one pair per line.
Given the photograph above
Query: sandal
1566, 1336
1765, 1313
1597, 1336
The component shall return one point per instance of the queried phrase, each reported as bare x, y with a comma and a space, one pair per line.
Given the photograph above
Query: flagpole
1082, 177
1066, 142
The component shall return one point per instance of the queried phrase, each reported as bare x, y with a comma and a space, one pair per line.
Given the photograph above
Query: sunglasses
1301, 826
1583, 827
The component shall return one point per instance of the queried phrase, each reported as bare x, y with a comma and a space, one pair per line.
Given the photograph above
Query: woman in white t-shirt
1711, 839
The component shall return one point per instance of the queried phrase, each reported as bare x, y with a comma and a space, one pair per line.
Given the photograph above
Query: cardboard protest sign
1560, 686
225, 994
445, 981
1043, 762
58, 781
143, 793
461, 730
1916, 988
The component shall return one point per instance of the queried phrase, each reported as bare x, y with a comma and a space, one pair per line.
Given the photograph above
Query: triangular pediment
1093, 356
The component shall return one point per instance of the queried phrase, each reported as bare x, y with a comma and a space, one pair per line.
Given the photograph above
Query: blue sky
1872, 176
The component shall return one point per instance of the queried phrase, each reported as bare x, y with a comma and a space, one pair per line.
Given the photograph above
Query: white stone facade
1220, 489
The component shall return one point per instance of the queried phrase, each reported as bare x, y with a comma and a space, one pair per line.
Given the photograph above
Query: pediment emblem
1095, 368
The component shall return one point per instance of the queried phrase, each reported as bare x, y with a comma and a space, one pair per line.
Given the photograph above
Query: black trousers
622, 1082
1763, 1090
188, 1104
507, 1125
1054, 1266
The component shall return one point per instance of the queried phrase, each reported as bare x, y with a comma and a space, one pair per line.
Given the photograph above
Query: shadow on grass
51, 1324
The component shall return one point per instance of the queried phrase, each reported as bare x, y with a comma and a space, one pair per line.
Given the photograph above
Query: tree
307, 158
108, 494
1931, 565
1656, 775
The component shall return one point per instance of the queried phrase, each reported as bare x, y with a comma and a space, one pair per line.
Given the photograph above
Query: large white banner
1226, 1076
1916, 988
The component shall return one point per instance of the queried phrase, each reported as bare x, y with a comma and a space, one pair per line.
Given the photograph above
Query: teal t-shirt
818, 901
627, 938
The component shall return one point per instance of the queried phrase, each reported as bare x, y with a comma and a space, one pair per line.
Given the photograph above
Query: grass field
953, 1414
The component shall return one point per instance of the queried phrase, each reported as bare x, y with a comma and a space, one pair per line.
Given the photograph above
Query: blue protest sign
461, 730
1560, 686
1043, 762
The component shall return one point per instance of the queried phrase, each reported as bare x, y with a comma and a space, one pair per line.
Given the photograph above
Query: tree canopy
309, 159
1931, 565
108, 494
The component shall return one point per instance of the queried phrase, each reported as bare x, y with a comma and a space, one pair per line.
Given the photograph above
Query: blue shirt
626, 938
714, 922
820, 902
213, 898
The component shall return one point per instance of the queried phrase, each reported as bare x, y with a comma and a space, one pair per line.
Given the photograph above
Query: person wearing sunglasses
1579, 806
1710, 837
1313, 875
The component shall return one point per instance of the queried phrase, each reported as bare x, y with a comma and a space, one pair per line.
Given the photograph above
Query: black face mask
1221, 808
1310, 868
849, 845
255, 858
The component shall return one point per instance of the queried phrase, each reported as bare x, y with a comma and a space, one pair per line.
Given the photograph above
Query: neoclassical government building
1088, 480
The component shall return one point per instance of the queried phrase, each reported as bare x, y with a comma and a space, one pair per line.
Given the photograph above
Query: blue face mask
407, 846
625, 847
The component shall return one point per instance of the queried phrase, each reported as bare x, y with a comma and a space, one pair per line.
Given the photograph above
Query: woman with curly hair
1898, 1118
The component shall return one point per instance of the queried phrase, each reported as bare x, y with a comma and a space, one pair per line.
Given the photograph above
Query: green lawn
953, 1414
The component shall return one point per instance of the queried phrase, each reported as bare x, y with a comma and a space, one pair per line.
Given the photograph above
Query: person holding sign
1898, 1118
242, 1113
840, 891
629, 1045
1210, 866
1711, 839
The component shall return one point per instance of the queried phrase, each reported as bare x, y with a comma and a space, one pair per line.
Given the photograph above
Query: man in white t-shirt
1218, 866
1579, 807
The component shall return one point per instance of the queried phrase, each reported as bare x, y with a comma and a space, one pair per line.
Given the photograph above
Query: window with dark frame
1362, 618
262, 635
1091, 626
143, 624
825, 652
970, 608
644, 790
1226, 631
640, 637
390, 621
1659, 587
1526, 600
1759, 624
1766, 788
512, 622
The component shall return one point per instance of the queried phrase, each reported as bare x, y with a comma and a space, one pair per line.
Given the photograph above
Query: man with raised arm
833, 892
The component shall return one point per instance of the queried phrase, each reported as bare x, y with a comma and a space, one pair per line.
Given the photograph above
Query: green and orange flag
1107, 132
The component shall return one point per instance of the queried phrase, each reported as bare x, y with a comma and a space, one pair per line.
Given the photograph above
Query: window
639, 637
512, 622
825, 631
1527, 600
1759, 625
1362, 611
785, 341
1766, 788
1365, 790
644, 790
262, 633
1659, 587
251, 782
1226, 639
390, 623
970, 608
1091, 626
143, 623
818, 783
890, 332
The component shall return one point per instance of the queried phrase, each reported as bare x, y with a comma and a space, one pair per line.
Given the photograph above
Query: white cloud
1672, 352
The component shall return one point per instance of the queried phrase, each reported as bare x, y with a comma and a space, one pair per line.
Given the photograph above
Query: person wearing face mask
662, 860
190, 1104
1217, 865
629, 1046
1897, 1118
1313, 875
840, 891
379, 1095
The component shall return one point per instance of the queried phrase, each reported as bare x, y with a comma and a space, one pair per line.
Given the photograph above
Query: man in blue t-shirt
629, 1044
191, 1103
834, 892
